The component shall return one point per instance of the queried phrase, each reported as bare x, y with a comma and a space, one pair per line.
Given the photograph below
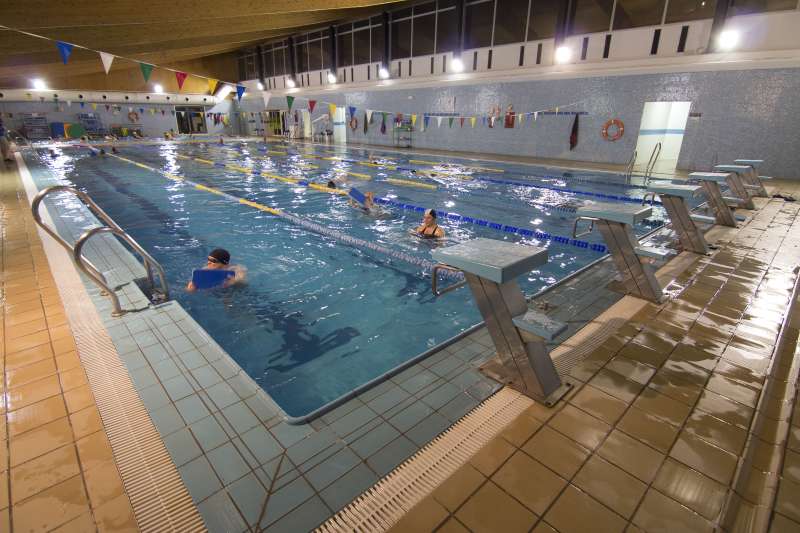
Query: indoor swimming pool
322, 316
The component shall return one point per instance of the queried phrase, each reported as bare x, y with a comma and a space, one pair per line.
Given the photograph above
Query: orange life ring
616, 134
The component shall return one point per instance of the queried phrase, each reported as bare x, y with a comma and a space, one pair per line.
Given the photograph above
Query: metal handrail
646, 195
629, 166
651, 163
83, 264
435, 280
16, 136
591, 220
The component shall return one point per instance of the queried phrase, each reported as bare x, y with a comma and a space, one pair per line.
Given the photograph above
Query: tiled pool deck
243, 464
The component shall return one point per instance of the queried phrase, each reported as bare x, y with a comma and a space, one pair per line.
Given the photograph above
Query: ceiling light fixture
290, 83
456, 65
563, 54
383, 73
158, 89
39, 84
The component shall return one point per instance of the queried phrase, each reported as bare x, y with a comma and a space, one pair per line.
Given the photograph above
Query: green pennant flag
147, 69
451, 121
290, 102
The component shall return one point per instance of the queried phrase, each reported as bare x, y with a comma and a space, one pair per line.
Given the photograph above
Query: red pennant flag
181, 77
311, 104
462, 121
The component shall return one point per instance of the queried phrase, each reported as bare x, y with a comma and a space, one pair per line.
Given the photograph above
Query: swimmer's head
219, 258
429, 217
331, 184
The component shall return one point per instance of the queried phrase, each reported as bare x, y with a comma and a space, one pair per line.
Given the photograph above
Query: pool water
318, 318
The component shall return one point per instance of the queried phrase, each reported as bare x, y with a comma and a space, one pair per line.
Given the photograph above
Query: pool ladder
651, 163
84, 265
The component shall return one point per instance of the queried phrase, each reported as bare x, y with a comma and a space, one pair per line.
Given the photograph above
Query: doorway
191, 119
661, 136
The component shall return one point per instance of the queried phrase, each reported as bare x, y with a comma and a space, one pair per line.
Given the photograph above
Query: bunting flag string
351, 111
289, 102
413, 120
146, 69
106, 59
240, 92
311, 105
439, 122
369, 115
266, 95
180, 77
65, 49
212, 85
366, 122
332, 110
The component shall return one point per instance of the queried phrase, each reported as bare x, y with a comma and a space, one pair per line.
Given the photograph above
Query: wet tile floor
651, 437
56, 469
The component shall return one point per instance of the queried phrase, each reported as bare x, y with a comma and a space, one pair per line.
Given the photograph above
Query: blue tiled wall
752, 113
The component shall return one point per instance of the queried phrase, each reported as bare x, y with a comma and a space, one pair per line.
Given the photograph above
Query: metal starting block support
752, 176
673, 197
710, 181
736, 185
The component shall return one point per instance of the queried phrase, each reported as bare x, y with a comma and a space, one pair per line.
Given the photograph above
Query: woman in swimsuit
429, 229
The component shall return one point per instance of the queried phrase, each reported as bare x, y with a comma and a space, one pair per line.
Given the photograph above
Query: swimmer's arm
190, 287
239, 276
439, 232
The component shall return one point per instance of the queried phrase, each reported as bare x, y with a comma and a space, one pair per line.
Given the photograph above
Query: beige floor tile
599, 404
40, 440
103, 484
458, 487
67, 361
27, 342
452, 526
19, 316
529, 481
630, 369
616, 385
4, 503
647, 428
94, 450
611, 486
73, 378
116, 517
543, 527
520, 430
64, 345
737, 392
78, 398
43, 472
690, 354
491, 510
52, 507
559, 453
580, 426
34, 415
27, 328
782, 524
32, 392
85, 422
717, 432
631, 455
5, 520
791, 466
669, 384
577, 512
427, 515
725, 409
643, 354
82, 524
654, 403
691, 488
704, 457
27, 357
28, 373
755, 361
658, 513
491, 456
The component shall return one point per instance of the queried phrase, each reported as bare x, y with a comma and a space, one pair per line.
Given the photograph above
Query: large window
301, 57
401, 38
743, 7
542, 24
592, 16
510, 19
684, 10
315, 54
636, 13
361, 46
344, 46
424, 34
446, 30
377, 36
478, 24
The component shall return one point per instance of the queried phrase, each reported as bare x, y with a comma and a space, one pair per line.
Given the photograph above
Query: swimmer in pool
429, 229
369, 203
331, 184
220, 259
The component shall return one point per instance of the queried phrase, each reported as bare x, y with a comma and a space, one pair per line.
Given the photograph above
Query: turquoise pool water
317, 317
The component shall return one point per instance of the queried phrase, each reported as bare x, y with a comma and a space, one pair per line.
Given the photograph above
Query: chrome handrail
591, 220
629, 166
435, 280
651, 194
651, 163
16, 136
83, 264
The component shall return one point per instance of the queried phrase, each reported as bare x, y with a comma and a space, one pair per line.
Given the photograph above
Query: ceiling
154, 31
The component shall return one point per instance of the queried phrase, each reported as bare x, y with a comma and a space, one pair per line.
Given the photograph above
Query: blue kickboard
208, 278
357, 195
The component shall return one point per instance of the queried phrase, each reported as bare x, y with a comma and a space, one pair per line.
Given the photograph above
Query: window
636, 13
478, 24
241, 67
743, 7
683, 10
269, 66
592, 16
544, 14
401, 39
424, 33
361, 46
509, 22
377, 41
301, 57
325, 50
344, 47
250, 67
446, 31
279, 56
315, 55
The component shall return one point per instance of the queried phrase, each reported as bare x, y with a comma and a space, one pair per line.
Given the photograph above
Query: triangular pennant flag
573, 136
311, 105
69, 103
290, 102
366, 122
141, 110
212, 85
94, 106
556, 110
438, 122
413, 120
450, 121
425, 121
461, 119
472, 121
181, 77
146, 69
369, 116
266, 95
163, 112
535, 115
521, 118
107, 59
82, 104
65, 49
108, 107
383, 124
332, 110
240, 92
352, 111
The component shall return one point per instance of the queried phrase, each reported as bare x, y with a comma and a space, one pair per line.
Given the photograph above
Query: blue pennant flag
426, 119
352, 110
239, 92
65, 49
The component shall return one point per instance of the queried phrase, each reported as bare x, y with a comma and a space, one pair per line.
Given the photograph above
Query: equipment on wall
614, 134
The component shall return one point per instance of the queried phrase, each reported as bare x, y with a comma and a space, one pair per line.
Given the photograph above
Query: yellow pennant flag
521, 118
472, 122
94, 106
332, 110
413, 120
212, 84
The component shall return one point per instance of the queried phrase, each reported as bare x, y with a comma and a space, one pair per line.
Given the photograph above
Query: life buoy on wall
133, 116
614, 135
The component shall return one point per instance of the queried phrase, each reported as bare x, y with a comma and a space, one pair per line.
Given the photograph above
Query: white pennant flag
266, 96
535, 115
107, 59
438, 122
369, 115
69, 103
